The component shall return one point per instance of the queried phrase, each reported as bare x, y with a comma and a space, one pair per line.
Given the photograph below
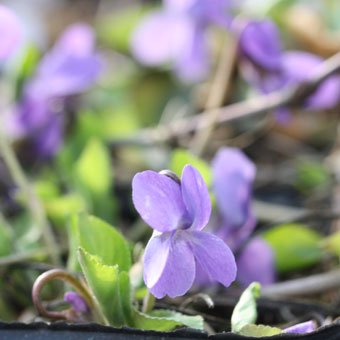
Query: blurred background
85, 107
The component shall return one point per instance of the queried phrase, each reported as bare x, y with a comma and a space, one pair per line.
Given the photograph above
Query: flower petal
10, 32
213, 257
192, 63
71, 66
259, 41
234, 237
196, 197
48, 140
169, 265
233, 174
158, 199
301, 328
78, 39
76, 301
152, 49
256, 263
298, 66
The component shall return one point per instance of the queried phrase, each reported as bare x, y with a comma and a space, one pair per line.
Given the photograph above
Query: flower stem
148, 303
32, 201
81, 288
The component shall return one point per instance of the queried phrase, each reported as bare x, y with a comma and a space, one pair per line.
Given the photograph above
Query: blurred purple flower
183, 41
301, 328
179, 250
68, 69
233, 176
10, 32
298, 67
256, 262
267, 68
76, 301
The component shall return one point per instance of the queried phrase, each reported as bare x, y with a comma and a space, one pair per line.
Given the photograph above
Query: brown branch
291, 96
220, 88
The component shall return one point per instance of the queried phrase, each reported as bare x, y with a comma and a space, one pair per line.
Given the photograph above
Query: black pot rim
330, 332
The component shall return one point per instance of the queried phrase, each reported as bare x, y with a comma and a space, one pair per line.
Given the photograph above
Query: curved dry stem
58, 274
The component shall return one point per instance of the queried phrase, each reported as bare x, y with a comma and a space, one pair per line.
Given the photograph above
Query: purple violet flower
267, 68
301, 328
256, 262
183, 42
70, 68
10, 32
233, 176
76, 301
179, 250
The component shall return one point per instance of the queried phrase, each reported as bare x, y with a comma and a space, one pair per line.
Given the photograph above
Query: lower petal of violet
213, 257
169, 265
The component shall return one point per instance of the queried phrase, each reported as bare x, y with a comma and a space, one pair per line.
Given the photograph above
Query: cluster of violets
179, 253
68, 69
263, 62
233, 176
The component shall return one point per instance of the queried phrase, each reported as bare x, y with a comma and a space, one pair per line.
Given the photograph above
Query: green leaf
195, 322
101, 239
112, 291
311, 176
73, 244
6, 240
166, 320
26, 67
110, 288
116, 30
93, 168
63, 207
295, 246
245, 312
181, 157
332, 243
258, 331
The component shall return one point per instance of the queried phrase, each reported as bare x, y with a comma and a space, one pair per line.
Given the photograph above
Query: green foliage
277, 9
332, 243
295, 246
311, 176
26, 68
105, 260
259, 331
115, 30
166, 320
100, 239
62, 207
6, 240
245, 312
109, 286
93, 176
181, 157
93, 168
